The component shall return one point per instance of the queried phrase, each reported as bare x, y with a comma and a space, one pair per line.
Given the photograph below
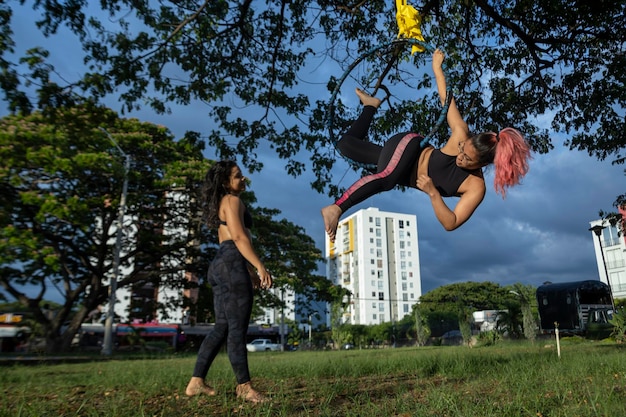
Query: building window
370, 219
371, 240
412, 296
379, 263
374, 305
401, 234
402, 264
381, 306
371, 230
405, 297
379, 253
402, 244
373, 294
408, 223
377, 222
610, 236
406, 308
381, 295
380, 274
379, 243
378, 233
372, 261
401, 224
404, 286
380, 285
402, 254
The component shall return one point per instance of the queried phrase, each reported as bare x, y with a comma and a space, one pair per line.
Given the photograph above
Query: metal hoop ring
330, 113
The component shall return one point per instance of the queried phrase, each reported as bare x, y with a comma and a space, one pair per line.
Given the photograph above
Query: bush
619, 325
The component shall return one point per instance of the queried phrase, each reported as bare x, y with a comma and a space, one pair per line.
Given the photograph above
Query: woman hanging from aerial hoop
453, 170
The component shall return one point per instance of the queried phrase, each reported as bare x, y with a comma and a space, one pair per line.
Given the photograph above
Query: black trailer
580, 307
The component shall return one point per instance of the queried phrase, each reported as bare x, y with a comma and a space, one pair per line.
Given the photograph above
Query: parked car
451, 338
262, 345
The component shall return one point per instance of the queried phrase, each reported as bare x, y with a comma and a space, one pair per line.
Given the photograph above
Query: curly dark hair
214, 189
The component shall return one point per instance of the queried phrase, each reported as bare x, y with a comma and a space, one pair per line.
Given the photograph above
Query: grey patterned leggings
232, 295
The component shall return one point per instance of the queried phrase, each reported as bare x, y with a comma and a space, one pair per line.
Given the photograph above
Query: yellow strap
409, 21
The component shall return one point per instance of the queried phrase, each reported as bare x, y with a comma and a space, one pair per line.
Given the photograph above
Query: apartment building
376, 257
610, 249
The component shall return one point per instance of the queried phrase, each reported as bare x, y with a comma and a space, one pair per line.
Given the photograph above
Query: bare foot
247, 393
197, 386
331, 220
366, 99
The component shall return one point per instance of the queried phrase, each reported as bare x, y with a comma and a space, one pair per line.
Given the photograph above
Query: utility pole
282, 319
597, 230
107, 345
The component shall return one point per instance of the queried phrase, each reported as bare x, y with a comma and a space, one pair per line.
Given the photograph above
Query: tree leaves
246, 60
62, 178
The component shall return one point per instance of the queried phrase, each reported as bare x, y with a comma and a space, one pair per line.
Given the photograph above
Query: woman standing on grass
230, 279
455, 170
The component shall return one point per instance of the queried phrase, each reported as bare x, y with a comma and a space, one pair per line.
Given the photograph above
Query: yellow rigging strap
409, 22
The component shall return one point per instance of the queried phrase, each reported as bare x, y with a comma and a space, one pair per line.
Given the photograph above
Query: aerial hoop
392, 45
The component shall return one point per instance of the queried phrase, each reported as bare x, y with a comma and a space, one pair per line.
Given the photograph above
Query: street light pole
107, 345
282, 319
597, 229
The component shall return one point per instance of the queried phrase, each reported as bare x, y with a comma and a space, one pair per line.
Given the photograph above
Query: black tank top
247, 219
447, 176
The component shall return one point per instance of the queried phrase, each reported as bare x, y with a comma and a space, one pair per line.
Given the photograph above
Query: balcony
619, 263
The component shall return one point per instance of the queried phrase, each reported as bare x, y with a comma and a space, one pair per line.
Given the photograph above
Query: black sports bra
247, 219
446, 174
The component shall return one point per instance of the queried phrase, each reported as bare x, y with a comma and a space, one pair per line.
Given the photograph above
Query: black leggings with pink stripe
394, 161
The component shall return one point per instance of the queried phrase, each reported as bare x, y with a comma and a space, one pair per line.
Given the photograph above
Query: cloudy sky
539, 233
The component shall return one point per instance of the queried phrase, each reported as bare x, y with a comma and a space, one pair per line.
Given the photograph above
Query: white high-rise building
376, 257
610, 249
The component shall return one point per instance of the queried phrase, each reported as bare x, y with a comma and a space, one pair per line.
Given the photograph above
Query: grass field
503, 380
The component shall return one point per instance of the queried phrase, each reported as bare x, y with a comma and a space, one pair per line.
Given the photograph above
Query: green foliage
618, 321
489, 338
528, 306
458, 297
450, 307
291, 255
62, 178
511, 322
422, 330
466, 330
529, 59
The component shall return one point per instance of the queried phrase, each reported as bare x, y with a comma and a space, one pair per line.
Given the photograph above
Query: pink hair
511, 159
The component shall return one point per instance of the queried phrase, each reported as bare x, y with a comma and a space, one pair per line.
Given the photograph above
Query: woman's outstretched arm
455, 121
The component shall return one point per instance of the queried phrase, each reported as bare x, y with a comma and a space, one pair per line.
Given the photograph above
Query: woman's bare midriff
421, 165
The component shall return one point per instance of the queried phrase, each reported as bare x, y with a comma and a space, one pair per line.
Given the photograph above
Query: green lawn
503, 380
